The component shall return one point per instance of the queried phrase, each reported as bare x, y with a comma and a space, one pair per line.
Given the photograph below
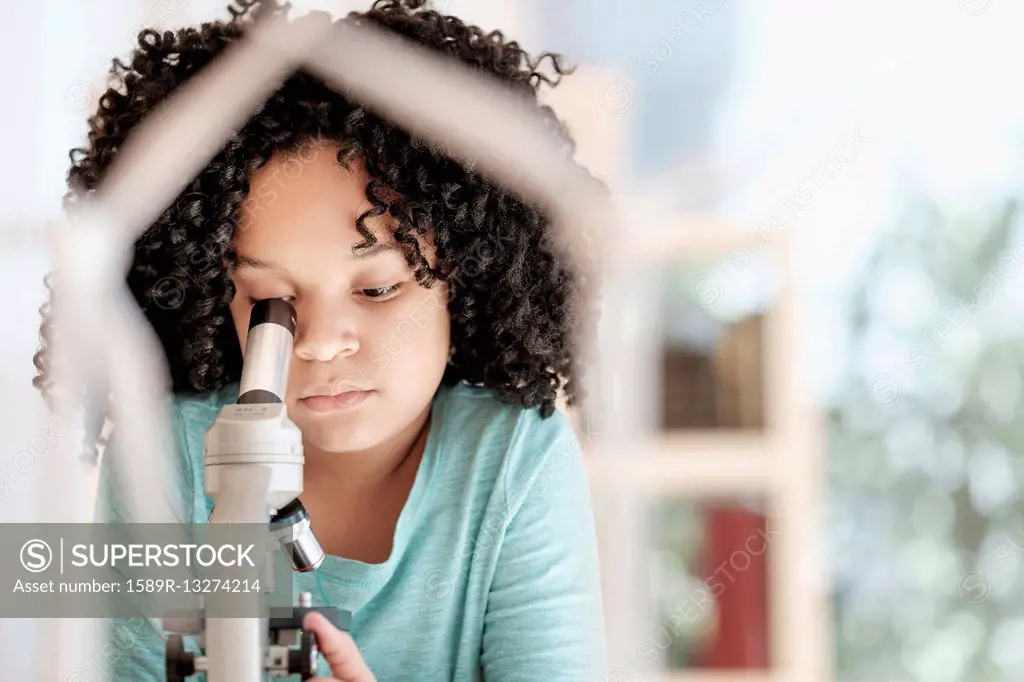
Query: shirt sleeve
544, 617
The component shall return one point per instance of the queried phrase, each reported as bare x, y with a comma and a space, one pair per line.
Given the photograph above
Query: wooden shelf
692, 235
705, 464
722, 676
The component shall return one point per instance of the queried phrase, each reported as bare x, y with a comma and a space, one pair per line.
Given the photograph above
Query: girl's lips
331, 403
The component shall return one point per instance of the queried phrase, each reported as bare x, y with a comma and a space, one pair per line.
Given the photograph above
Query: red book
735, 568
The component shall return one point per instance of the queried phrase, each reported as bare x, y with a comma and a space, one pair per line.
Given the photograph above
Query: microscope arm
235, 646
242, 495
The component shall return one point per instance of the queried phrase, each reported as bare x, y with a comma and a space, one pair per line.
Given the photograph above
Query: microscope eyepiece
268, 349
273, 311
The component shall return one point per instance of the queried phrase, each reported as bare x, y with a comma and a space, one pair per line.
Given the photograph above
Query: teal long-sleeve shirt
493, 573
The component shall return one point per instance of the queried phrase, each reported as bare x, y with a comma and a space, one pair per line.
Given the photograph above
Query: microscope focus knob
180, 663
302, 661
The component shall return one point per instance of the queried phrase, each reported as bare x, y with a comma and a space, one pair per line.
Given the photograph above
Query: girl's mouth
340, 401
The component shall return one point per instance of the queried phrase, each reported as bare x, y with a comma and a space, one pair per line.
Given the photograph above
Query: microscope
253, 462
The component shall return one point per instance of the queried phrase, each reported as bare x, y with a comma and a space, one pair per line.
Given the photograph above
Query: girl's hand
339, 649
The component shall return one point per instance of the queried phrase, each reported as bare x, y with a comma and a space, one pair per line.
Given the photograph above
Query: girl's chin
337, 431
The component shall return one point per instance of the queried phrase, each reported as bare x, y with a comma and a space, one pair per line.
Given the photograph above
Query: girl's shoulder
482, 411
199, 410
475, 424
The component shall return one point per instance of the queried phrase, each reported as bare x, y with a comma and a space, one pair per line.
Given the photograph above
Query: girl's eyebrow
358, 253
364, 252
246, 262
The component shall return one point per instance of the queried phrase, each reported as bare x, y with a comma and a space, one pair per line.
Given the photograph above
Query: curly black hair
515, 302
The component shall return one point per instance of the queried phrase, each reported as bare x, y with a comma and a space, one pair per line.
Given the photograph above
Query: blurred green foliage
924, 454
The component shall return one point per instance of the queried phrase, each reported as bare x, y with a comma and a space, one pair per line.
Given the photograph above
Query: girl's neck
370, 469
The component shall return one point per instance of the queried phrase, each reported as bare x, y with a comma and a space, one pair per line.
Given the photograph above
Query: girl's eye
252, 299
381, 293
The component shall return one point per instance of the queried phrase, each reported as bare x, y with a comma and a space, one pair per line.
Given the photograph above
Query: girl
434, 338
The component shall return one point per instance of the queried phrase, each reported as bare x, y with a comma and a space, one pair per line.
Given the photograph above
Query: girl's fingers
339, 650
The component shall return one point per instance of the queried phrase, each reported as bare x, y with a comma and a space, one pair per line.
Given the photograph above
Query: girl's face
371, 344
